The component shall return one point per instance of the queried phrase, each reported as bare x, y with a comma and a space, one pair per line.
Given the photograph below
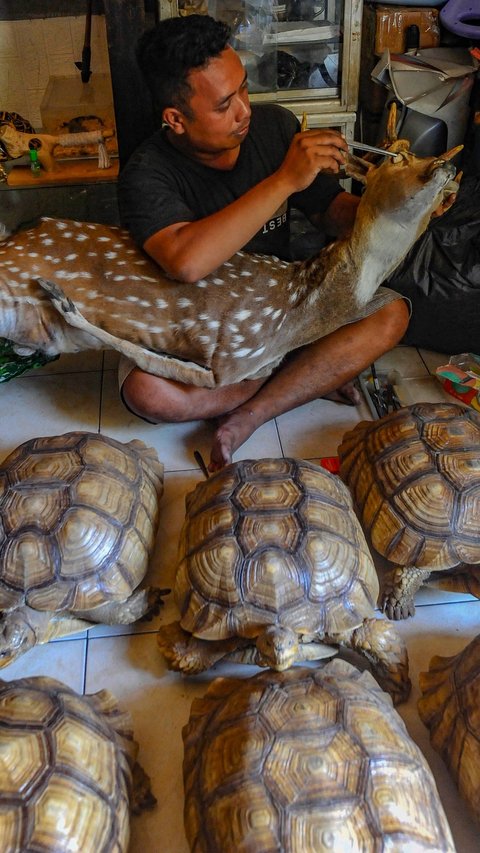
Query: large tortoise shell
65, 770
78, 519
415, 479
303, 760
450, 708
272, 541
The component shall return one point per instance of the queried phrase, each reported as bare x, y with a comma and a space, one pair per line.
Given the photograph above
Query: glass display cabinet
304, 54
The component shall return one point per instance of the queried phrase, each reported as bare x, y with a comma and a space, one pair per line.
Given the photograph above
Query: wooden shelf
73, 172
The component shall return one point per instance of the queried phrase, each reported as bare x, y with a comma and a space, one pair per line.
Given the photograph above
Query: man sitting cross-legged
222, 175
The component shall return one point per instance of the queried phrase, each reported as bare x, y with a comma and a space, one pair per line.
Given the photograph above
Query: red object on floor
331, 463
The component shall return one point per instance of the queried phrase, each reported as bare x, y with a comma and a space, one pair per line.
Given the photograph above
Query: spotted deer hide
68, 286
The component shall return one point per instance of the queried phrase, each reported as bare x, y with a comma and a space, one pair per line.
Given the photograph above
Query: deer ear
357, 168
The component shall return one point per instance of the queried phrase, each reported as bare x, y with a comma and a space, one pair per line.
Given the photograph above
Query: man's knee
392, 320
151, 397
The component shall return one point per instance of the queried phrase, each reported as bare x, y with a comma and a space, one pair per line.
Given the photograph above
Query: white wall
32, 51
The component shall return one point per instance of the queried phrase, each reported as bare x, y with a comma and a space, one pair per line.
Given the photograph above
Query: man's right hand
312, 152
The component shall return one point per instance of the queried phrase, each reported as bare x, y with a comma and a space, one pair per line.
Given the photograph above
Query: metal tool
362, 146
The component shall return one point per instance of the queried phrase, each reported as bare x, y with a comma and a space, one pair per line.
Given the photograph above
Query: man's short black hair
168, 52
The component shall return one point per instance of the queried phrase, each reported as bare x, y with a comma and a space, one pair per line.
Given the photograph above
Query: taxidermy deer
68, 286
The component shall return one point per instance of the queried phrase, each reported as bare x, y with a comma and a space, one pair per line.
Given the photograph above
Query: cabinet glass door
286, 48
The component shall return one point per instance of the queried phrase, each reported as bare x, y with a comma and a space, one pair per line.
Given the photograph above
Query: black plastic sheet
441, 277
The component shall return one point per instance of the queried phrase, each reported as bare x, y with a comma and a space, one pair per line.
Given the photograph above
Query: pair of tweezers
362, 146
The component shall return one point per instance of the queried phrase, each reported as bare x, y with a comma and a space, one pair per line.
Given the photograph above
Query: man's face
219, 107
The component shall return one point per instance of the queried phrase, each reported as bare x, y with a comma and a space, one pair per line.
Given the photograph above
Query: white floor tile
48, 405
75, 362
425, 390
405, 360
63, 660
316, 429
433, 359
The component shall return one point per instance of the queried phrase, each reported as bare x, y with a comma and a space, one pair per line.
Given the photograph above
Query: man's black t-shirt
160, 185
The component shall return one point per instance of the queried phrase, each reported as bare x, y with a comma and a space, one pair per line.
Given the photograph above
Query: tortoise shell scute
306, 760
272, 541
78, 518
415, 479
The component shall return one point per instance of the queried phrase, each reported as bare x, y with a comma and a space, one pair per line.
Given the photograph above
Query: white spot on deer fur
256, 327
232, 327
92, 254
242, 352
121, 263
267, 311
61, 225
218, 281
276, 314
70, 257
242, 315
184, 303
81, 237
90, 226
234, 294
201, 283
246, 273
119, 277
104, 239
33, 255
272, 282
188, 323
238, 339
257, 352
149, 278
213, 324
232, 275
14, 269
161, 303
110, 255
67, 234
71, 276
140, 263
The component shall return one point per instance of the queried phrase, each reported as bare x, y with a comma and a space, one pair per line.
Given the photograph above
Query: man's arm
338, 219
190, 250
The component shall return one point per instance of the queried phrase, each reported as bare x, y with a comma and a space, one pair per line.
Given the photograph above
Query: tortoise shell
304, 760
19, 123
415, 479
272, 542
66, 769
78, 517
450, 708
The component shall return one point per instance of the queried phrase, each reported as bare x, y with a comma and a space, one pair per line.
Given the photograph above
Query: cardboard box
391, 24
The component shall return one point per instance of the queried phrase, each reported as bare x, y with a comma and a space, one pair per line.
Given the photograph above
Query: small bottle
34, 163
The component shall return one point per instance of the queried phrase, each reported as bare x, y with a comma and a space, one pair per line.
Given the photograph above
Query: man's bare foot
231, 432
347, 394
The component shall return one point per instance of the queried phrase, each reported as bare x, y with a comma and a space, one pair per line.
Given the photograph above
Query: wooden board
73, 172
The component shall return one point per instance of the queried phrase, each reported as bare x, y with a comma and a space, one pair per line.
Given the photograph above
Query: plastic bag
441, 277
